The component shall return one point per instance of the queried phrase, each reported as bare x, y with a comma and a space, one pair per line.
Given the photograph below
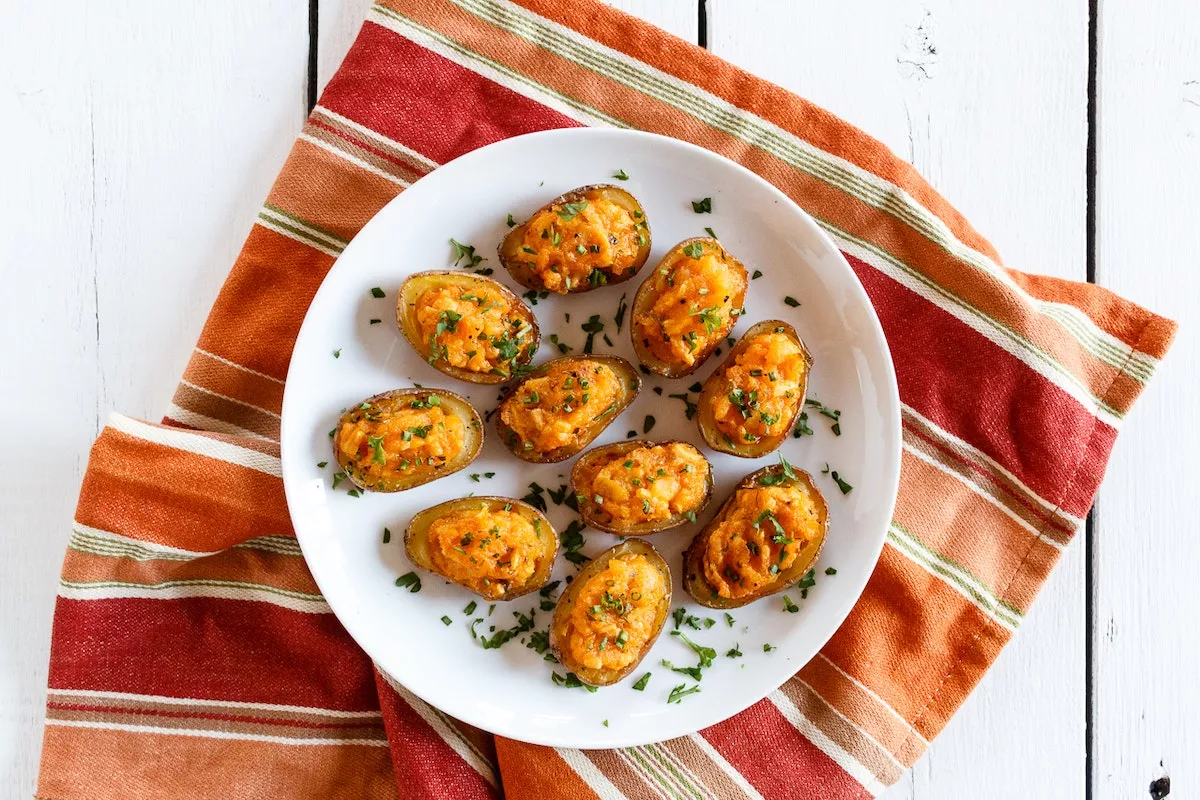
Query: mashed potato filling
696, 300
381, 444
487, 551
592, 240
615, 613
647, 484
761, 390
759, 538
548, 411
472, 330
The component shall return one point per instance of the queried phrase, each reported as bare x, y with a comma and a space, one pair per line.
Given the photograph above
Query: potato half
751, 400
686, 306
404, 438
639, 619
587, 238
686, 481
553, 412
695, 580
485, 308
476, 520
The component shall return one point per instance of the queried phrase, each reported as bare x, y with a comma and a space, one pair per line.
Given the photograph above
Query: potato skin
416, 543
693, 569
458, 404
704, 419
509, 249
631, 383
645, 297
406, 319
587, 506
566, 602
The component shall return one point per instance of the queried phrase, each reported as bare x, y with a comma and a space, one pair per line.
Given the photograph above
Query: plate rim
893, 420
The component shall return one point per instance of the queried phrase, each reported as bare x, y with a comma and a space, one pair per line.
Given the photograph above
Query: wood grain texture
989, 102
1146, 641
139, 141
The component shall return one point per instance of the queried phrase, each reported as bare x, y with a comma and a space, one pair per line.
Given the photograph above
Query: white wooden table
139, 138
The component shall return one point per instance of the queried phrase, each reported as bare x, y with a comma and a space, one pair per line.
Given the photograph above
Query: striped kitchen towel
193, 656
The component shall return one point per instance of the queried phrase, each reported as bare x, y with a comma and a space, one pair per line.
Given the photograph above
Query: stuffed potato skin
587, 238
686, 306
622, 596
560, 407
469, 327
748, 405
496, 547
404, 438
752, 544
636, 487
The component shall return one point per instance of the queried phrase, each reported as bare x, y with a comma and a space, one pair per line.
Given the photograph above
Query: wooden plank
144, 138
1002, 136
1147, 704
341, 19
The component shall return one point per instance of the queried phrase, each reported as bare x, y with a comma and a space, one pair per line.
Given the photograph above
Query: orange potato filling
488, 551
759, 538
475, 331
569, 244
615, 613
647, 484
694, 306
760, 390
548, 411
419, 437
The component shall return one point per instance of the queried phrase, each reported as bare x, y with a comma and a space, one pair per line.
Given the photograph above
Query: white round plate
509, 690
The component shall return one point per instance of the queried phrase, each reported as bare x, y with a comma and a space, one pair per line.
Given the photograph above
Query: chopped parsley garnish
337, 353
571, 681
756, 275
776, 478
648, 424
681, 691
606, 723
734, 652
620, 175
788, 300
447, 621
563, 347
534, 497
410, 580
377, 454
709, 231
789, 606
378, 292
568, 211
465, 252
619, 317
690, 408
768, 648
322, 464
572, 540
707, 654
512, 223
640, 686
702, 206
591, 328
841, 484
692, 672
524, 623
354, 493
470, 608
387, 536
693, 250
802, 428
710, 316
539, 642
830, 571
